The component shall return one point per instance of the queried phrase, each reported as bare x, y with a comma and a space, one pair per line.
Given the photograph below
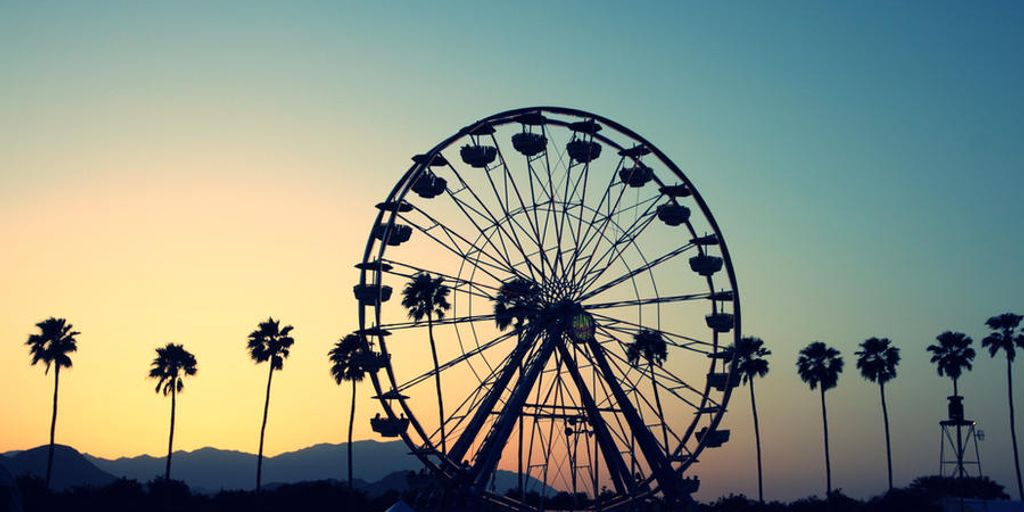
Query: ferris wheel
546, 304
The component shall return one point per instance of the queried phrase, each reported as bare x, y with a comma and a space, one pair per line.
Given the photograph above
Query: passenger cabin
394, 206
676, 190
370, 294
583, 151
398, 234
437, 161
636, 151
373, 332
370, 361
529, 144
636, 176
705, 240
720, 380
673, 214
429, 185
588, 127
390, 426
374, 265
705, 264
391, 395
720, 322
478, 156
713, 438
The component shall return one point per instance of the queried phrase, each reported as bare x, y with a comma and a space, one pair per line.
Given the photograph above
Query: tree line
425, 298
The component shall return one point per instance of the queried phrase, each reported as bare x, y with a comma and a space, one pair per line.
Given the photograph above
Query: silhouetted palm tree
427, 297
345, 366
518, 300
952, 356
52, 345
819, 365
751, 363
269, 342
877, 360
171, 365
650, 347
1005, 337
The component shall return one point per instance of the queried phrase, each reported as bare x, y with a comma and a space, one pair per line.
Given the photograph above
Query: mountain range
379, 466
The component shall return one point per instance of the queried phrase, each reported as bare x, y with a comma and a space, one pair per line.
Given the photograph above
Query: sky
178, 172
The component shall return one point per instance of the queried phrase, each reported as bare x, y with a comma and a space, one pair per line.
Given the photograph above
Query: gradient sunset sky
179, 171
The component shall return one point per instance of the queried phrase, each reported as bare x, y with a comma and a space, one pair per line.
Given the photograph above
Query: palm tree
269, 342
819, 365
650, 347
427, 297
751, 363
518, 300
51, 345
171, 365
877, 360
952, 356
345, 366
1006, 337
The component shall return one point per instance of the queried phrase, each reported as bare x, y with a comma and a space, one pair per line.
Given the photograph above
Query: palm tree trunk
885, 421
757, 442
437, 380
351, 420
53, 425
263, 430
170, 439
828, 460
1013, 427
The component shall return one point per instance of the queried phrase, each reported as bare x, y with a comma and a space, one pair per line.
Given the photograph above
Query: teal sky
863, 159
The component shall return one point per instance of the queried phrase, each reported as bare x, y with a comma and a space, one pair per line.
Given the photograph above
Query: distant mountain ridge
379, 466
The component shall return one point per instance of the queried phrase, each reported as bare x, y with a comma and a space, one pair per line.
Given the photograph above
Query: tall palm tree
1005, 337
171, 365
269, 342
345, 366
427, 297
52, 345
650, 347
877, 360
751, 363
819, 365
518, 301
952, 355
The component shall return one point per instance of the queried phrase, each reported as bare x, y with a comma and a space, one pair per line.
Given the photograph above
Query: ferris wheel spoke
655, 456
441, 321
460, 285
637, 271
650, 300
471, 255
509, 180
630, 328
502, 258
483, 411
453, 362
599, 265
621, 477
665, 375
495, 221
487, 456
596, 228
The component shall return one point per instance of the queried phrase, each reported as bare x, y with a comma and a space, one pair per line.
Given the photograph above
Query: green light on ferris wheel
582, 327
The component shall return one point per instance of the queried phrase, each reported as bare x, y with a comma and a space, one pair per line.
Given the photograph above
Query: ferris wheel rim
401, 189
